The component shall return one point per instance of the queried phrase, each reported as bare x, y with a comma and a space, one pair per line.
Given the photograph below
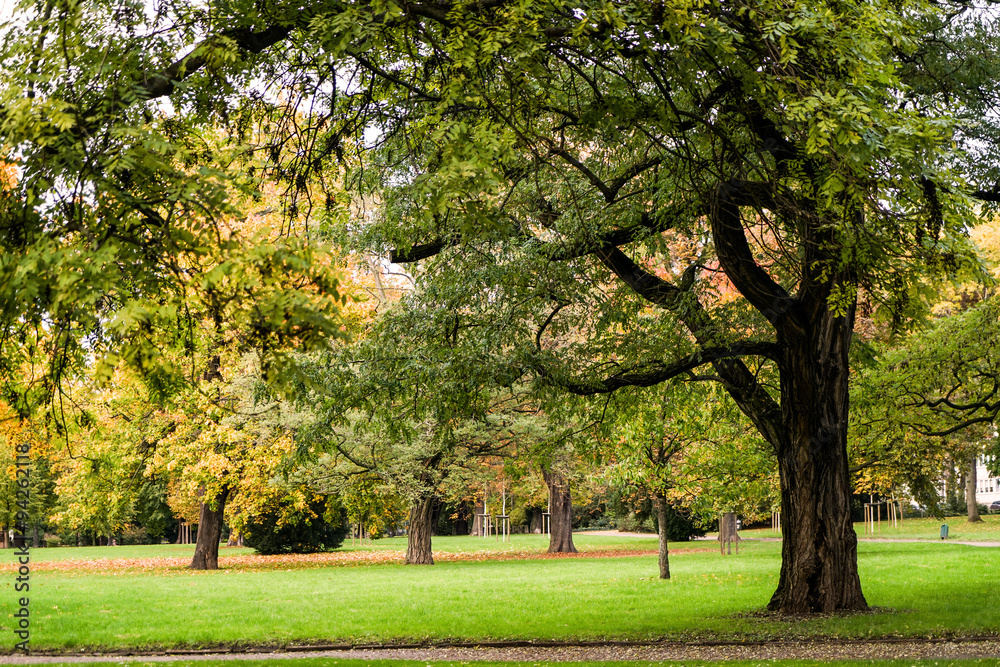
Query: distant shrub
323, 532
680, 528
134, 535
520, 516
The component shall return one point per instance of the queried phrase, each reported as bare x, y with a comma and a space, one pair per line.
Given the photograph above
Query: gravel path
714, 538
971, 647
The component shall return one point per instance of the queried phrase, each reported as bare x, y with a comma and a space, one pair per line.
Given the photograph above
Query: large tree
570, 154
547, 160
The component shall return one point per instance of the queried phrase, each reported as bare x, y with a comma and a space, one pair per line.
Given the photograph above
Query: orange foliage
8, 176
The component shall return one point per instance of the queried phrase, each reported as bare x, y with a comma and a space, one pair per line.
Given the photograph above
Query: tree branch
648, 375
161, 84
734, 251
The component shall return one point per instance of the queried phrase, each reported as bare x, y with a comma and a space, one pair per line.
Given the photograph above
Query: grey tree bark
971, 482
561, 535
661, 520
418, 535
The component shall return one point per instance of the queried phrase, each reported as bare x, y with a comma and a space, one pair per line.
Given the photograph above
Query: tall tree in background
681, 443
931, 402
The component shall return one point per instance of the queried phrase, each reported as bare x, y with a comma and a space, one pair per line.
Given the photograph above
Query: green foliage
931, 399
688, 442
322, 527
128, 231
680, 527
133, 535
608, 195
520, 516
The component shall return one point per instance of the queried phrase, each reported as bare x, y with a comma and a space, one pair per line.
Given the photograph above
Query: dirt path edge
985, 646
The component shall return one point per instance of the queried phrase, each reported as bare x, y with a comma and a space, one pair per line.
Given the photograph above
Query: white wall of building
987, 486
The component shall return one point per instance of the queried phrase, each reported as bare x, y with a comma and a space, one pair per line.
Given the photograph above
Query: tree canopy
600, 194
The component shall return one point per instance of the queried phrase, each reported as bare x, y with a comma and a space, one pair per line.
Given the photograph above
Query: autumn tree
27, 481
412, 455
128, 236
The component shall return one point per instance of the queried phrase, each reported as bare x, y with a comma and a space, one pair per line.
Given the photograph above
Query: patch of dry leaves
257, 563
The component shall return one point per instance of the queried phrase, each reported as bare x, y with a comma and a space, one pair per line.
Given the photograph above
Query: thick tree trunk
535, 525
561, 537
808, 427
206, 550
971, 482
661, 522
418, 535
819, 565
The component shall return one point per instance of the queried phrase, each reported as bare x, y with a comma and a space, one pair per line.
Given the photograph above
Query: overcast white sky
6, 9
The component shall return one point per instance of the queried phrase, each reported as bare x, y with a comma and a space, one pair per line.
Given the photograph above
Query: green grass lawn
922, 589
929, 528
924, 528
465, 544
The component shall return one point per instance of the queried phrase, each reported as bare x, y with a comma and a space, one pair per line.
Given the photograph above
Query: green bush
520, 516
134, 535
323, 532
632, 523
680, 528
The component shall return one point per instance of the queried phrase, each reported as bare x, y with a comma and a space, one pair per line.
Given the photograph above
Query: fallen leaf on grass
256, 563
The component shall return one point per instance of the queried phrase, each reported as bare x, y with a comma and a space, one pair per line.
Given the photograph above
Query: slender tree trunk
971, 482
561, 537
462, 522
819, 565
206, 550
477, 521
418, 536
435, 517
661, 521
